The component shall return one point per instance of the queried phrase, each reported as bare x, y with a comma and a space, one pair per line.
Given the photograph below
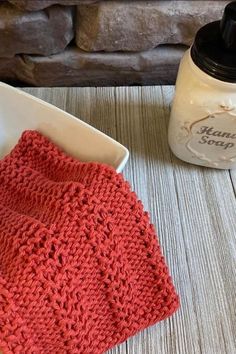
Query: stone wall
98, 43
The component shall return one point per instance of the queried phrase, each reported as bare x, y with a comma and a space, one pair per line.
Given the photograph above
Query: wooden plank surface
193, 209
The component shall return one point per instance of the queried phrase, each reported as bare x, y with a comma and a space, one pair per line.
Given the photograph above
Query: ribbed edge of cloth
81, 268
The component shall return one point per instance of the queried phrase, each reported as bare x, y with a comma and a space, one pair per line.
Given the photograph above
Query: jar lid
214, 48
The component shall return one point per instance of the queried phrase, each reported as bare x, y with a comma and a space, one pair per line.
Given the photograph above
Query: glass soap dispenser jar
202, 127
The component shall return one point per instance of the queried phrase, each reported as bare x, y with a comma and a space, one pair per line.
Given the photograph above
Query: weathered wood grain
193, 208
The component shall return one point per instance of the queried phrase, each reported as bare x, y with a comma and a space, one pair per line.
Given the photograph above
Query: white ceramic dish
20, 111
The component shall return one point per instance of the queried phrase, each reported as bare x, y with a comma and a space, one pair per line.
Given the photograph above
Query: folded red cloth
80, 265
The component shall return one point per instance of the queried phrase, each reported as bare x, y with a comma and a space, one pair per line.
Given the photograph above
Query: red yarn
80, 266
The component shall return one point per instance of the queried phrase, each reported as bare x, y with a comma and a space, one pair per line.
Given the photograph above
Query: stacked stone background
98, 43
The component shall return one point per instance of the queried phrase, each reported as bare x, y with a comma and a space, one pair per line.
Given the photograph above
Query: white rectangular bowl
20, 111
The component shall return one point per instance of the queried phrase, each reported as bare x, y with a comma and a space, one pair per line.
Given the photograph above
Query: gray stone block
74, 67
142, 25
43, 32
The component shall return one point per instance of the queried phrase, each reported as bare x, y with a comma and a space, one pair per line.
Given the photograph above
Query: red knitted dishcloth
80, 265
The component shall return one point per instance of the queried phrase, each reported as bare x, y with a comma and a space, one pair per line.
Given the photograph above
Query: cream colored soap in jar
202, 128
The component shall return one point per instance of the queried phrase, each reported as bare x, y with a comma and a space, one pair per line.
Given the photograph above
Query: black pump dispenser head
228, 26
214, 48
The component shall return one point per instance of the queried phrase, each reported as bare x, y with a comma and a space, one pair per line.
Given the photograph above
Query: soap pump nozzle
228, 26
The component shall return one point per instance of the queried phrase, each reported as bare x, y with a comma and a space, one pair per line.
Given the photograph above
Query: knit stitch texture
81, 269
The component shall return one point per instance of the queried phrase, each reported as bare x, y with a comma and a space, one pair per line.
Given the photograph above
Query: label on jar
213, 138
